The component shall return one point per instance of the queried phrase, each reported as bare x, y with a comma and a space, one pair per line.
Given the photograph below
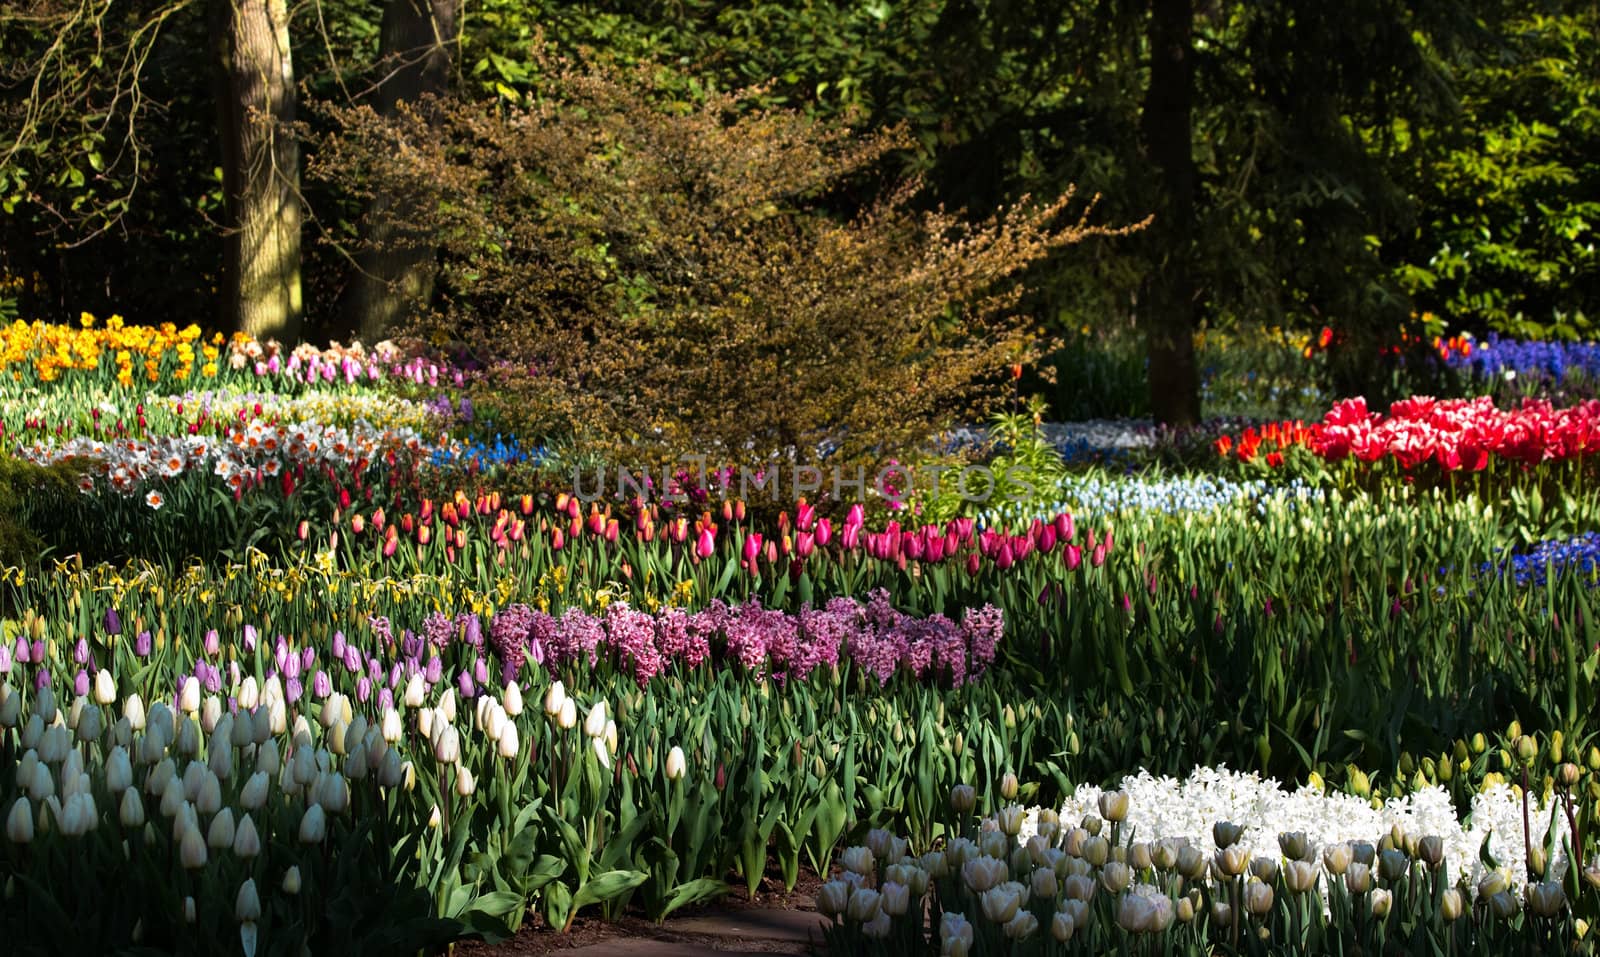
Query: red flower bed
1454, 434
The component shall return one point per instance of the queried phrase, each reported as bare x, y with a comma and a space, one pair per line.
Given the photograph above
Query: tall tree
261, 292
395, 262
1169, 306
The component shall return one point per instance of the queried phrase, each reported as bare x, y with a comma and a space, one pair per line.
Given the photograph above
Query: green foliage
1508, 191
28, 489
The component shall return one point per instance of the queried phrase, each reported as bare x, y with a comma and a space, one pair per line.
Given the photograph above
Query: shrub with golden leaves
663, 278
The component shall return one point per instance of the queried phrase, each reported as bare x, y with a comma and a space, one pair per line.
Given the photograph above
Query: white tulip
189, 695
555, 699
19, 823
247, 905
119, 772
246, 841
595, 724
219, 836
677, 766
105, 687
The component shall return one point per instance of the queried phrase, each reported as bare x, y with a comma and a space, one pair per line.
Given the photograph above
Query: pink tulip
824, 532
706, 544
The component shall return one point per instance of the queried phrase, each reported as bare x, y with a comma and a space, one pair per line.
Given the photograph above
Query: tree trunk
395, 264
1170, 305
260, 168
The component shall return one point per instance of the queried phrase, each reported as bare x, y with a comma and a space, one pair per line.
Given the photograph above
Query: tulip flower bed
356, 672
1456, 435
1145, 871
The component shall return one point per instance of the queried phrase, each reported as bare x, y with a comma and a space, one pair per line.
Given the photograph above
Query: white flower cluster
256, 448
1164, 807
1092, 496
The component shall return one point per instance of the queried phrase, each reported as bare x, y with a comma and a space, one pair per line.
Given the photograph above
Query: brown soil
536, 938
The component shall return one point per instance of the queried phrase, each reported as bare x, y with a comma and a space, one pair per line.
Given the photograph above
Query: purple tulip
280, 651
374, 670
80, 651
308, 659
142, 644
5, 659
113, 622
352, 659
364, 690
23, 656
234, 673
322, 685
249, 637
474, 635
80, 684
411, 646
385, 698
463, 683
293, 690
435, 670
41, 679
290, 666
213, 642
38, 652
339, 644
397, 674
480, 670
212, 677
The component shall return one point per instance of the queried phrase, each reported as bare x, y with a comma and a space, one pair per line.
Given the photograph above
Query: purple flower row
763, 641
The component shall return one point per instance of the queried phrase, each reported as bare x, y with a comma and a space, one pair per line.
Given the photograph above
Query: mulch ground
690, 927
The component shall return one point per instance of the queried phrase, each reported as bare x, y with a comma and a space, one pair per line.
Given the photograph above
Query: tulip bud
1114, 806
1382, 901
105, 687
595, 724
963, 798
567, 718
833, 898
1451, 906
131, 813
1226, 834
291, 881
313, 825
19, 823
188, 910
246, 841
554, 699
133, 710
1008, 786
676, 764
447, 746
465, 785
192, 849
